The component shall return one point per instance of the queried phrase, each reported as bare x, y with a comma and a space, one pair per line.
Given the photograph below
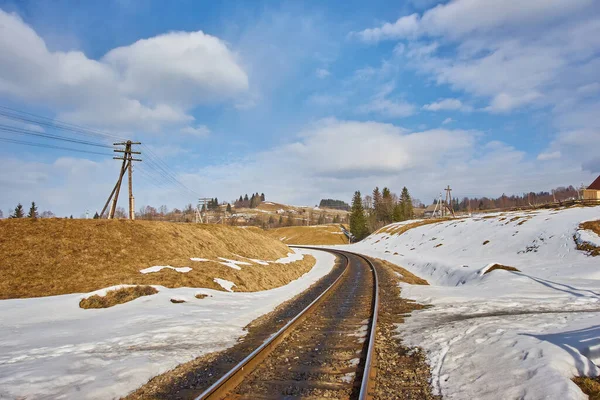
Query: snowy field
50, 348
510, 335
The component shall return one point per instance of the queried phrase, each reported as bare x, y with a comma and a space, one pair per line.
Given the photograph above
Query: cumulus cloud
144, 85
329, 158
447, 105
462, 17
537, 53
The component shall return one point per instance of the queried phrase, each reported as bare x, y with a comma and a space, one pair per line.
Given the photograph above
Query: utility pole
127, 165
448, 196
202, 204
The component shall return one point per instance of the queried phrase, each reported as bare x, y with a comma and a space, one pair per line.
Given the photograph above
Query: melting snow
225, 284
51, 348
523, 334
199, 259
159, 267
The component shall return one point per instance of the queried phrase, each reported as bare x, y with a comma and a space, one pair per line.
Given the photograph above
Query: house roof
595, 185
430, 208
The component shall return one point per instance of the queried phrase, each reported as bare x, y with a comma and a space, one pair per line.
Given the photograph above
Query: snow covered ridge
106, 353
523, 334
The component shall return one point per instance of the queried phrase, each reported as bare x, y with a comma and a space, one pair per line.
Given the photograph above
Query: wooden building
593, 191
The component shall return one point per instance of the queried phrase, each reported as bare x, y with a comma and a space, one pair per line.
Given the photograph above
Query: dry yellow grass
398, 230
500, 266
57, 256
307, 235
117, 296
589, 386
407, 276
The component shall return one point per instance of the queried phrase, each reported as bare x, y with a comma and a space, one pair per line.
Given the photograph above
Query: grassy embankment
47, 257
307, 235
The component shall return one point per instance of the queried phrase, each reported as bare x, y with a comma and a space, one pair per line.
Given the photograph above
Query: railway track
326, 351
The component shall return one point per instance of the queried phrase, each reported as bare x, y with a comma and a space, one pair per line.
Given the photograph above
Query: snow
235, 264
161, 267
199, 259
523, 334
51, 348
225, 284
587, 236
291, 257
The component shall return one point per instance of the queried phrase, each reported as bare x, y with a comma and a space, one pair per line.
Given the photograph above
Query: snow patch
587, 236
199, 259
225, 284
539, 326
158, 268
107, 353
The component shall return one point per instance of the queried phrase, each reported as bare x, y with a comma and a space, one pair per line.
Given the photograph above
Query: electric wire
48, 146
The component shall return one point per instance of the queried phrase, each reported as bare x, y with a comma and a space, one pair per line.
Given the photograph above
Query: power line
48, 146
23, 131
24, 116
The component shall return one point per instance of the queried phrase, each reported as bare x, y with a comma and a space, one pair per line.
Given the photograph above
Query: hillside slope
307, 235
57, 256
539, 324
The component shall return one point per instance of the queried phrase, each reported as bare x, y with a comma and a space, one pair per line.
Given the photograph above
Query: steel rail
235, 376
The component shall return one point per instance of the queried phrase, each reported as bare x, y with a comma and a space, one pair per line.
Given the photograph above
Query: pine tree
398, 214
33, 211
71, 217
387, 206
358, 221
336, 219
377, 206
96, 216
18, 212
280, 220
406, 201
262, 197
228, 208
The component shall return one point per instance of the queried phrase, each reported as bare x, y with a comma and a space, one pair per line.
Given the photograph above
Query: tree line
530, 199
250, 202
383, 207
335, 204
19, 212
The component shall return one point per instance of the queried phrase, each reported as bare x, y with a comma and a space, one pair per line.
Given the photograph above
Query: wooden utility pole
126, 166
202, 206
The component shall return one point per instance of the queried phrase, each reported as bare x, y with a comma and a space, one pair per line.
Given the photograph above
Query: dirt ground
402, 373
47, 257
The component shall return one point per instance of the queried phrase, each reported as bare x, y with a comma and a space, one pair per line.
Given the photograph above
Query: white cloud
447, 105
144, 85
548, 156
462, 17
199, 131
322, 73
447, 121
374, 154
382, 105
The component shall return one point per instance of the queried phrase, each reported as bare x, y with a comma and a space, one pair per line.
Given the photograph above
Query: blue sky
305, 101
